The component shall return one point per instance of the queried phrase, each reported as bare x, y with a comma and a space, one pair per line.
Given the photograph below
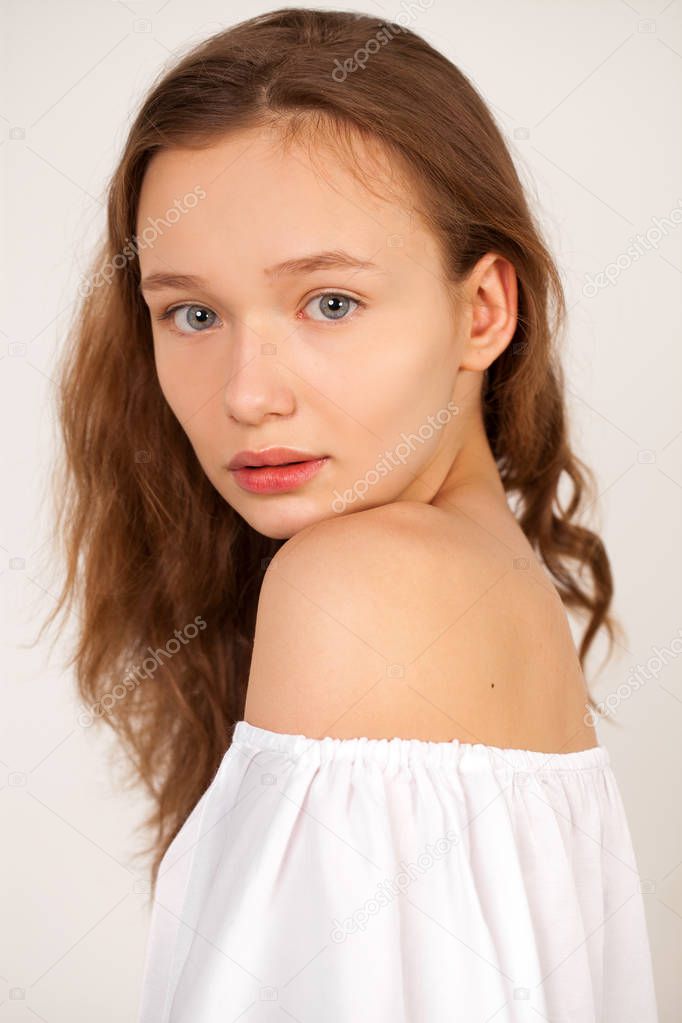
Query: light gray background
588, 95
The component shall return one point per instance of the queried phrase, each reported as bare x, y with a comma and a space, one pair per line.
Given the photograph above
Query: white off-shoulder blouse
400, 881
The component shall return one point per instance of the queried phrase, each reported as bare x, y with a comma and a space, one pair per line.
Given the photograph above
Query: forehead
248, 198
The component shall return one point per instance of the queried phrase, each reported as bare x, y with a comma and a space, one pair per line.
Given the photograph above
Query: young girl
315, 358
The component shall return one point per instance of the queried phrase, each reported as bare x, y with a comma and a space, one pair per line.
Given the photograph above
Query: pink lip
271, 456
273, 479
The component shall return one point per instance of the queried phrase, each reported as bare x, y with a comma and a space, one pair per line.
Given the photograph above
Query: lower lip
273, 479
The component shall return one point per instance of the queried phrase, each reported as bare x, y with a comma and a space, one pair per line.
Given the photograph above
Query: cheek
182, 380
399, 381
185, 387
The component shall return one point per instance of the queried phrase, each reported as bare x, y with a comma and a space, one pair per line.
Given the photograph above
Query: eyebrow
335, 259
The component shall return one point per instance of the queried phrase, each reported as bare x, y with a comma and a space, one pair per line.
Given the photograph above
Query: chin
278, 523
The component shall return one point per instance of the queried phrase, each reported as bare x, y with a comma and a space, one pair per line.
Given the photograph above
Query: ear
492, 294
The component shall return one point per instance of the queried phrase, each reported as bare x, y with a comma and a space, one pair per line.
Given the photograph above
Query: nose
259, 384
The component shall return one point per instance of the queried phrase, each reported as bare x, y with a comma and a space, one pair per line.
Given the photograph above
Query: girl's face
316, 318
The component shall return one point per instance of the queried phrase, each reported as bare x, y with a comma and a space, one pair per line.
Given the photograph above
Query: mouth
277, 465
272, 478
274, 456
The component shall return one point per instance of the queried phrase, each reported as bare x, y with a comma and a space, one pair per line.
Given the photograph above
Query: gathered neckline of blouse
412, 752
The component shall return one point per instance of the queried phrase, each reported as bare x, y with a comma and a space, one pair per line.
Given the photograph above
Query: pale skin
417, 608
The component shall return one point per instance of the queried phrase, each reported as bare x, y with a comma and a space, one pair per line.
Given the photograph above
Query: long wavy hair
165, 574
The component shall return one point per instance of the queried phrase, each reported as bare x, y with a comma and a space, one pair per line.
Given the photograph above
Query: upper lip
270, 456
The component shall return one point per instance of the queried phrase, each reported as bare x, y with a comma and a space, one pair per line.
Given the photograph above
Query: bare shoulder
404, 620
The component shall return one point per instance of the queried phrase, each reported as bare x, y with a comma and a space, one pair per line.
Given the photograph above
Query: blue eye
197, 317
332, 305
194, 319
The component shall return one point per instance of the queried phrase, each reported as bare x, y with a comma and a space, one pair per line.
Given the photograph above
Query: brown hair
150, 546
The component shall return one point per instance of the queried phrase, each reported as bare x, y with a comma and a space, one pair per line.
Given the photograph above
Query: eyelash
185, 305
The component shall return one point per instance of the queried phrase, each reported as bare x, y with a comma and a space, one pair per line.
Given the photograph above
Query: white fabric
400, 881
